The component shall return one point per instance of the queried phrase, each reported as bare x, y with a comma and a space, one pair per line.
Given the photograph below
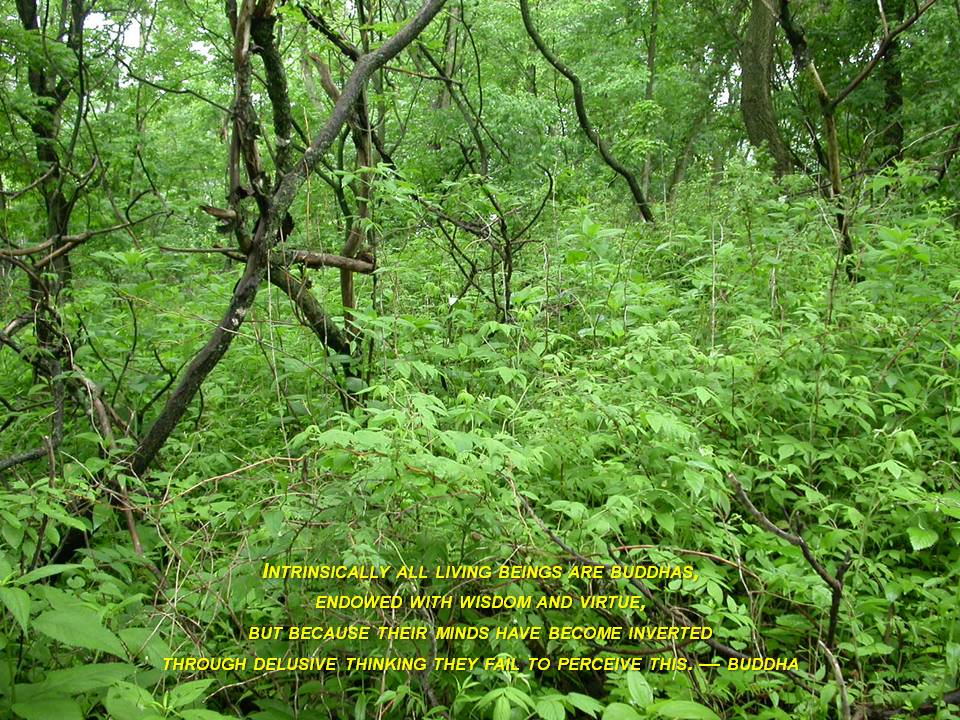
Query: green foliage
608, 374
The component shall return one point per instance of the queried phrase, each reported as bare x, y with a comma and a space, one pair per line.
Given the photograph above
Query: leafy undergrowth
641, 367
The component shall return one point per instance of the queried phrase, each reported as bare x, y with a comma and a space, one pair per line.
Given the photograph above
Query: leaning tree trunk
273, 204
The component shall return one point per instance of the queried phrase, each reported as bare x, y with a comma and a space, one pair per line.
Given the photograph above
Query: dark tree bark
756, 95
892, 76
311, 312
50, 91
262, 32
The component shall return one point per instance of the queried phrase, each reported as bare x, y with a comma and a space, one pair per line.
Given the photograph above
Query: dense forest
463, 283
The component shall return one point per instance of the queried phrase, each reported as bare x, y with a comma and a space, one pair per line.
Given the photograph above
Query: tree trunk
271, 219
892, 77
449, 57
756, 101
651, 75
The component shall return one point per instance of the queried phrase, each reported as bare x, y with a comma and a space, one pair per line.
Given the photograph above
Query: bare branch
834, 582
318, 23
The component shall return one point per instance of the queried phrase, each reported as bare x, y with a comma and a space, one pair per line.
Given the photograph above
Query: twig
14, 194
844, 701
175, 91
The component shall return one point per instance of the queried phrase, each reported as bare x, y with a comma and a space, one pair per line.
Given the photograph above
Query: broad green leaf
715, 592
640, 691
17, 601
550, 709
126, 701
40, 709
704, 395
620, 711
684, 710
186, 693
517, 697
922, 538
584, 703
146, 644
43, 572
84, 678
79, 627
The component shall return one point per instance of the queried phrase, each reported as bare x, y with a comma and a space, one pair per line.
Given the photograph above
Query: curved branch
833, 582
321, 260
349, 94
888, 38
582, 116
312, 312
175, 91
318, 23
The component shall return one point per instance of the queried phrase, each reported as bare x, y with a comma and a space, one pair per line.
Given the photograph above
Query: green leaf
126, 701
204, 715
703, 394
79, 627
620, 711
501, 709
360, 709
550, 709
517, 697
146, 644
640, 691
45, 571
61, 709
684, 710
188, 692
922, 538
84, 678
17, 602
715, 592
584, 703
